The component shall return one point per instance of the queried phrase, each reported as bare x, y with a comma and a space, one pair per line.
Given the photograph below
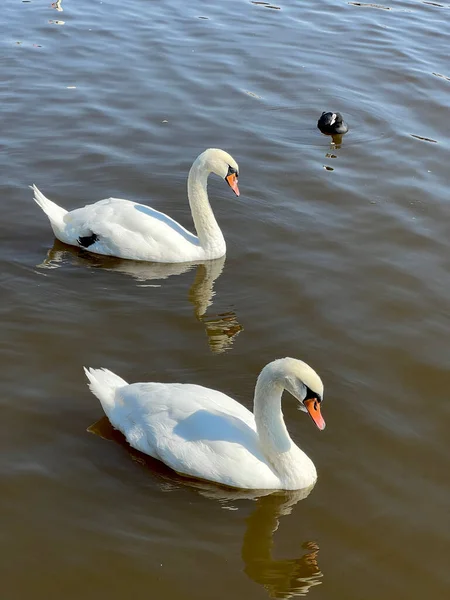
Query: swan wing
194, 430
127, 229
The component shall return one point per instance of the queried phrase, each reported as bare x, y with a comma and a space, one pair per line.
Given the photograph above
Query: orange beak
233, 182
313, 407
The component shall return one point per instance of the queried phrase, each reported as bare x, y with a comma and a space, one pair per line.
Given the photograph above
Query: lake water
338, 254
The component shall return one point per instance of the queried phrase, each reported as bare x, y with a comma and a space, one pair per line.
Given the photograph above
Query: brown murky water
337, 254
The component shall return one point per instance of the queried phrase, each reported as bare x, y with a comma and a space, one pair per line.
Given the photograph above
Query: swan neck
208, 231
272, 431
293, 467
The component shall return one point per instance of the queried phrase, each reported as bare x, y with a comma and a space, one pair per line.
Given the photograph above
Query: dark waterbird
332, 123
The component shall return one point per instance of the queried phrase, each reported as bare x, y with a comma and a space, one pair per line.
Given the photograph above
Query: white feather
204, 433
135, 231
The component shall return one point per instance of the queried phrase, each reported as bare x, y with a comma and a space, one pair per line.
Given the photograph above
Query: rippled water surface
337, 254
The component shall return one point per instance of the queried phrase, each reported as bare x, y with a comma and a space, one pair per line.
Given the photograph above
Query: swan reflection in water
221, 329
282, 578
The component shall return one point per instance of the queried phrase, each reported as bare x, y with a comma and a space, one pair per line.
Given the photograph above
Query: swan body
332, 123
130, 230
203, 433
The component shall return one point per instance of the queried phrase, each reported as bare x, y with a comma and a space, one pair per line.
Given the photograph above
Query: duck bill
313, 407
233, 183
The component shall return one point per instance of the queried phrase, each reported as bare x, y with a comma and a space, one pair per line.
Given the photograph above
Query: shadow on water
221, 328
282, 578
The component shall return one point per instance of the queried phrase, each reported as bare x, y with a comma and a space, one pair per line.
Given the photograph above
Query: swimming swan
134, 231
204, 433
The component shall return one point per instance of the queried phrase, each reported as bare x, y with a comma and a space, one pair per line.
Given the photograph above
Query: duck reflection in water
282, 578
221, 329
336, 141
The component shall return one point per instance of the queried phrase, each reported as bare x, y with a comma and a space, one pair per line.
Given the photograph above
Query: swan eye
232, 171
314, 398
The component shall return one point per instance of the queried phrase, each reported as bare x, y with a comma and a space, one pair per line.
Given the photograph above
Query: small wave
424, 139
441, 76
266, 4
370, 5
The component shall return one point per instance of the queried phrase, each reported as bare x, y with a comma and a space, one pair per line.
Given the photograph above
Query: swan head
222, 164
300, 380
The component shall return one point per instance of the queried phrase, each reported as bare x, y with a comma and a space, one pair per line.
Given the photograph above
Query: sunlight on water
337, 254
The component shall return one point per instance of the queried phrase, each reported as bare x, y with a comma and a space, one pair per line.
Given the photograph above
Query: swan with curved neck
203, 433
130, 230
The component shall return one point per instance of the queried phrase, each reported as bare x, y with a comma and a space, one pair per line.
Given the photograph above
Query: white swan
203, 433
134, 231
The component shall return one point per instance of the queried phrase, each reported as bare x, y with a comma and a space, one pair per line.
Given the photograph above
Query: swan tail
54, 212
104, 384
